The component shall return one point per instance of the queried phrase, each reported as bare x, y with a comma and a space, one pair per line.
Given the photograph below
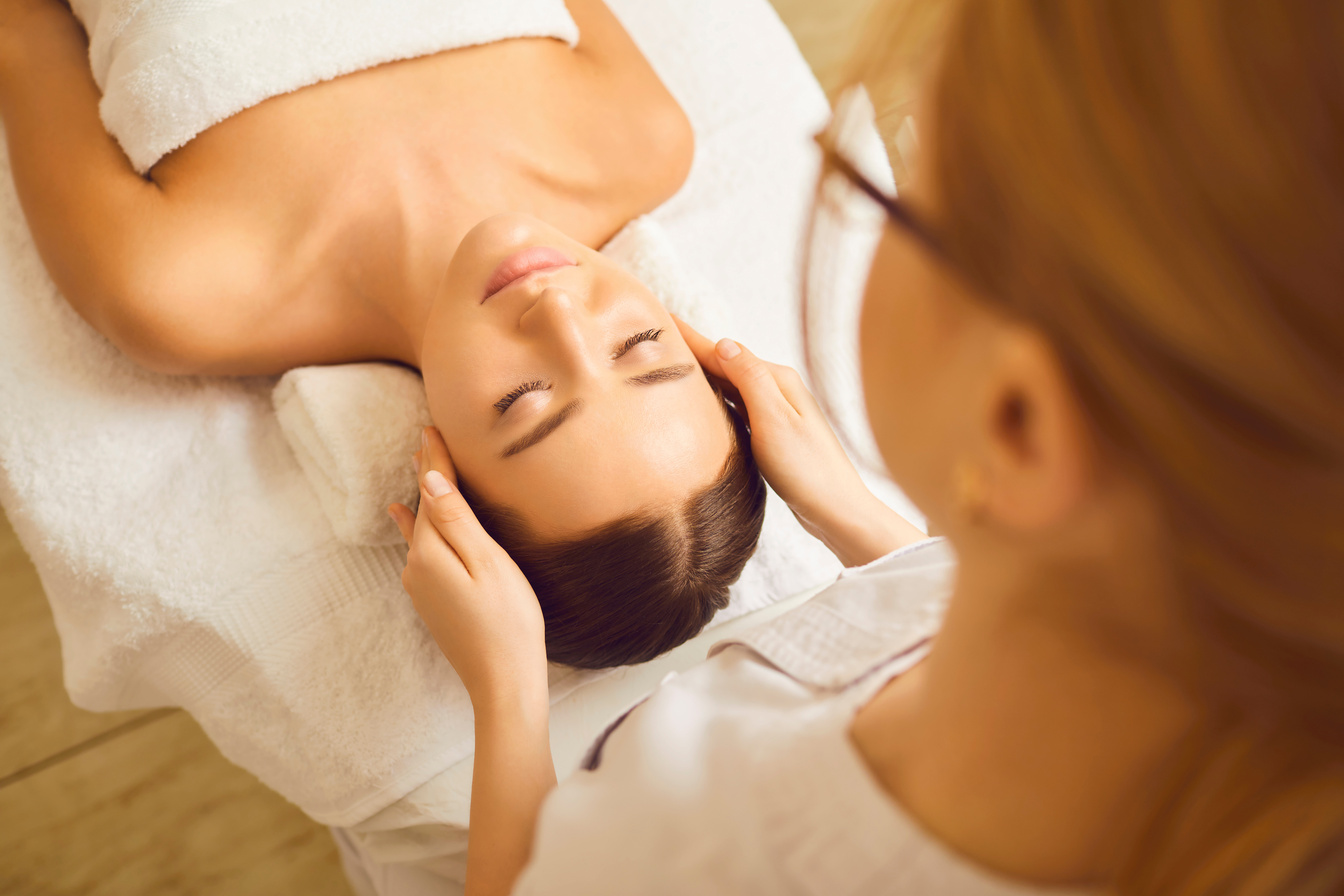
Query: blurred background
141, 802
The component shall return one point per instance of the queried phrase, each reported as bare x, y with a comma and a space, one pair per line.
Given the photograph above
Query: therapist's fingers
717, 360
754, 379
441, 502
795, 390
702, 347
402, 515
405, 520
434, 455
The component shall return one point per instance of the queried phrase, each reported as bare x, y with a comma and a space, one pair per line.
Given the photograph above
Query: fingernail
728, 349
437, 484
424, 439
415, 464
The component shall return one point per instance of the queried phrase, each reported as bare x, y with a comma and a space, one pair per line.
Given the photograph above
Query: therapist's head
589, 442
1123, 347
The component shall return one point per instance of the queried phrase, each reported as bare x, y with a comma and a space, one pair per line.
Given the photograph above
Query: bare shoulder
652, 130
220, 289
251, 278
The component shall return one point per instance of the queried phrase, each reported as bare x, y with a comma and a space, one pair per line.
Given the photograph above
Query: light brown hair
1158, 186
636, 588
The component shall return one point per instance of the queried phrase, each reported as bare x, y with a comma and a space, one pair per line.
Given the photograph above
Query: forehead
632, 451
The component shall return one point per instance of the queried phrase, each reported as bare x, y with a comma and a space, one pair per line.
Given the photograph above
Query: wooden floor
127, 803
133, 803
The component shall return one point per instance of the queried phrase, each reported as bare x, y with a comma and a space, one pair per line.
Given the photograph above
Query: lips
524, 262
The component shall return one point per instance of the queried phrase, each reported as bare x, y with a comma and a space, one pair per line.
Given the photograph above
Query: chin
500, 234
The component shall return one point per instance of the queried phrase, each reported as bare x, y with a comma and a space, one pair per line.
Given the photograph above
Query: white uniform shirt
739, 777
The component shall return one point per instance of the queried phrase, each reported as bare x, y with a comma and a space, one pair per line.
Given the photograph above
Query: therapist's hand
800, 456
485, 618
476, 602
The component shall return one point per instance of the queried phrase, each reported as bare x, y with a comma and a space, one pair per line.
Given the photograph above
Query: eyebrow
662, 375
553, 422
545, 428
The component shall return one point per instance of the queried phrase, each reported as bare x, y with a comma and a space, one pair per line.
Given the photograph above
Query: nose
555, 308
559, 318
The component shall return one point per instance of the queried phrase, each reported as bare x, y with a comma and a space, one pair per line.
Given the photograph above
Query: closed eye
518, 392
538, 386
646, 336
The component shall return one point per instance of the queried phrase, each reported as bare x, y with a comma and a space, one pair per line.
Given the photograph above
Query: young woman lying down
440, 212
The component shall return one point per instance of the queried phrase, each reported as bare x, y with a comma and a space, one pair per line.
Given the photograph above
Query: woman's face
973, 412
562, 386
926, 355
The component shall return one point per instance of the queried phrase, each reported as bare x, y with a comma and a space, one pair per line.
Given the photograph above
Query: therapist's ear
1039, 450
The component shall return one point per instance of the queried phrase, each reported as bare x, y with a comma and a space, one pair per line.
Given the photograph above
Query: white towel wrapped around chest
169, 69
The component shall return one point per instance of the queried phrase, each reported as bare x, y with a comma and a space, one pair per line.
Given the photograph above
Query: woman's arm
512, 774
168, 283
485, 618
82, 200
800, 456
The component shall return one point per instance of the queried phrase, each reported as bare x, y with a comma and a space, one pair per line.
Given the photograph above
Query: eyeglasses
852, 206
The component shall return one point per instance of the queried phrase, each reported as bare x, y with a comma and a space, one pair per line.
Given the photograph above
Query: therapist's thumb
753, 378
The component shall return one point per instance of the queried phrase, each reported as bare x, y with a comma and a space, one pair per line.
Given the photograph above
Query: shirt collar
870, 616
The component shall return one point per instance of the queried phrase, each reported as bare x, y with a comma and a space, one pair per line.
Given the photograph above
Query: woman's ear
1039, 451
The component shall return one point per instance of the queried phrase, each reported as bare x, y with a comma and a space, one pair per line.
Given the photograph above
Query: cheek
886, 381
902, 347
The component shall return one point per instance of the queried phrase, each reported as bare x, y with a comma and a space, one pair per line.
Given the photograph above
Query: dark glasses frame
853, 117
898, 213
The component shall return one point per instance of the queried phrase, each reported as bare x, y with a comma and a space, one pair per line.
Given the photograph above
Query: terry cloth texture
169, 69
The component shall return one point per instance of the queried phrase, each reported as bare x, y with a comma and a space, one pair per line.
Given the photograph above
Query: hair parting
638, 587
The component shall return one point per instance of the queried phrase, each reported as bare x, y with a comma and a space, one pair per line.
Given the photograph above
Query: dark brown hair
637, 587
1159, 188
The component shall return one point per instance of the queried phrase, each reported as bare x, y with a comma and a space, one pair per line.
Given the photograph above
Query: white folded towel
169, 69
353, 426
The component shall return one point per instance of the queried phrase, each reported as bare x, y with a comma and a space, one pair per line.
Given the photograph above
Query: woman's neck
396, 256
1032, 739
405, 248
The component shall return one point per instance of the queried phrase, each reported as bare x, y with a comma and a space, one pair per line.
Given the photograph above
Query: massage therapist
1102, 346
